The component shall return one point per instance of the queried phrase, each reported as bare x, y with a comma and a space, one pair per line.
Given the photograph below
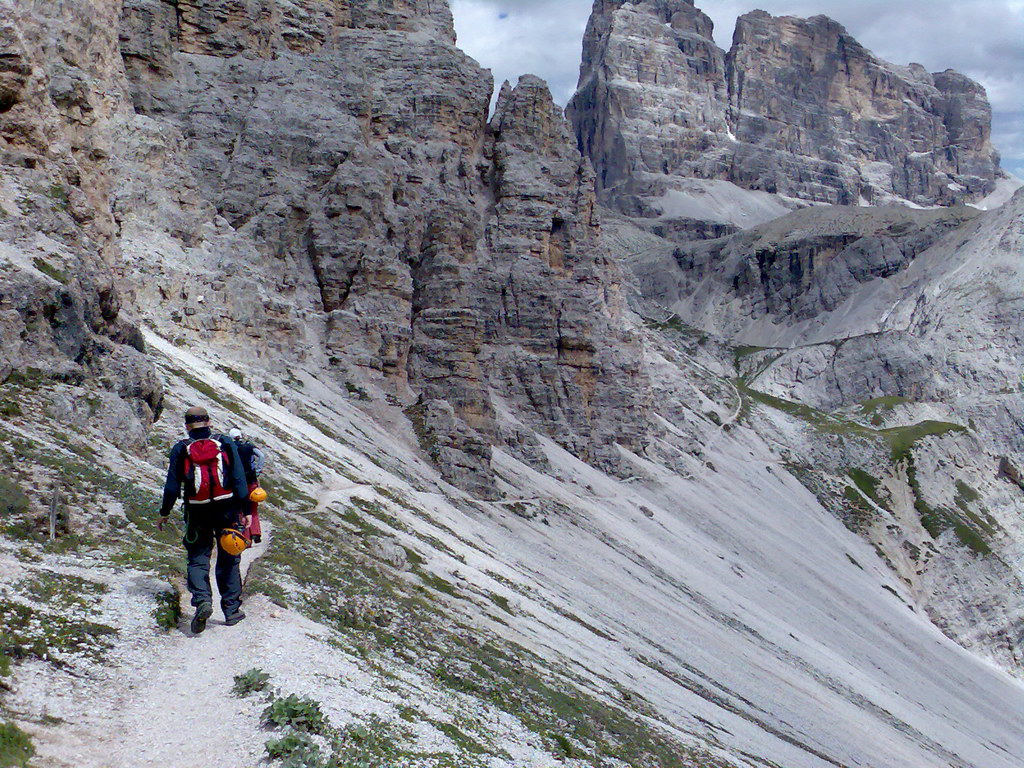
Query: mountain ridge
796, 108
519, 512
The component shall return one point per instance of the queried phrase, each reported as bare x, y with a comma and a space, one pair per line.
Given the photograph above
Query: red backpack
207, 471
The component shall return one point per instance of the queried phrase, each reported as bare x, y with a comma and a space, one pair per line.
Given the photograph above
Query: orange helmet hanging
234, 542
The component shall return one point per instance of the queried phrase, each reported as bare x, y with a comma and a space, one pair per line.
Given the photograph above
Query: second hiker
253, 462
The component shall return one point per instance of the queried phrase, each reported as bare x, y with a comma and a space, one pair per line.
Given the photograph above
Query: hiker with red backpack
206, 469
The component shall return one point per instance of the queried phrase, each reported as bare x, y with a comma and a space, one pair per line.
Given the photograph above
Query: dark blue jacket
176, 470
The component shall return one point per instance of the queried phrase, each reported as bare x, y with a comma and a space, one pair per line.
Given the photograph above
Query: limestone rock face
553, 298
354, 184
792, 272
808, 89
61, 317
652, 91
796, 108
862, 325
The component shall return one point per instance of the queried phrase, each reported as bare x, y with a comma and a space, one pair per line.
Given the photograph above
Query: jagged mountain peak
518, 513
796, 108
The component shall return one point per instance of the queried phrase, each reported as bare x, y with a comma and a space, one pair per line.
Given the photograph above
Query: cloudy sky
981, 38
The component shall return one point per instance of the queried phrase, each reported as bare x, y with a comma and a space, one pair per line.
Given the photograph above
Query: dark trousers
201, 534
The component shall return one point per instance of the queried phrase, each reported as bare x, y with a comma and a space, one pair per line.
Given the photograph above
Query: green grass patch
866, 483
437, 583
461, 740
882, 403
965, 493
969, 528
35, 633
501, 601
356, 391
286, 495
225, 402
675, 324
16, 748
236, 376
251, 681
818, 419
58, 590
743, 351
902, 439
49, 270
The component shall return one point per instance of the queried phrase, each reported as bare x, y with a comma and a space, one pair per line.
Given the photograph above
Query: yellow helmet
258, 495
233, 542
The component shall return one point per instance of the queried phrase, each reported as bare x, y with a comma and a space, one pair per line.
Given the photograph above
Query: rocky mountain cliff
847, 318
61, 318
349, 173
795, 108
519, 513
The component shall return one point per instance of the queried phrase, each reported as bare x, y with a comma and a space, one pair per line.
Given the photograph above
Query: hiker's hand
246, 521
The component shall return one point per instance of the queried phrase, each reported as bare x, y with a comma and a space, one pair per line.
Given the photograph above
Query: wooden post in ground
54, 504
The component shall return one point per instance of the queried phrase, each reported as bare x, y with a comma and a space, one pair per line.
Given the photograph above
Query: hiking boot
203, 612
234, 618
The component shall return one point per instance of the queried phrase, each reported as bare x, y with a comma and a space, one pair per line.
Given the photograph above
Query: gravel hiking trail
160, 700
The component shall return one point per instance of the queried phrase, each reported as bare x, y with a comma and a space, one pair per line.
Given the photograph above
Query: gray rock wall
61, 319
407, 242
796, 107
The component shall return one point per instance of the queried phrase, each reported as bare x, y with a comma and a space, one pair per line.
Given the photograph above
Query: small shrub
373, 742
252, 681
295, 749
168, 610
49, 270
13, 500
15, 746
356, 391
303, 714
564, 745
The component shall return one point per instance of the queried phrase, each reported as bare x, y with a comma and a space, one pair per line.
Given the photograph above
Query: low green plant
368, 744
250, 681
300, 713
168, 610
15, 747
295, 749
49, 270
564, 745
356, 391
13, 500
59, 195
867, 483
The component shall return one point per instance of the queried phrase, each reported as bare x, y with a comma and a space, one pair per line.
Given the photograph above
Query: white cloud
981, 38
